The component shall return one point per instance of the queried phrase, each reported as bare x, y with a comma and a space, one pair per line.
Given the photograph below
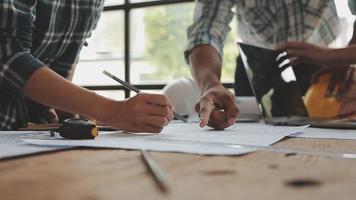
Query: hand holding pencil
143, 112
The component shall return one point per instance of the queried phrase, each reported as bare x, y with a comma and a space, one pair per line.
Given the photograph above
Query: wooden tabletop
94, 174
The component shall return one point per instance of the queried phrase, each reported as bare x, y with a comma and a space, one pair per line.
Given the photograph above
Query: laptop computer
277, 92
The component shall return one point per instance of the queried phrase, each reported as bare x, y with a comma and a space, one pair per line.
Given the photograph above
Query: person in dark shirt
332, 60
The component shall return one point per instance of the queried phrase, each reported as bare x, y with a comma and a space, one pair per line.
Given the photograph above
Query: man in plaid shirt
262, 23
39, 44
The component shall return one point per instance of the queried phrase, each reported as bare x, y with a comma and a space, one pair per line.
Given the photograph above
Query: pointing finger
206, 107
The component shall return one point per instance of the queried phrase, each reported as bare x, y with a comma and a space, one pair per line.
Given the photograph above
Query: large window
142, 42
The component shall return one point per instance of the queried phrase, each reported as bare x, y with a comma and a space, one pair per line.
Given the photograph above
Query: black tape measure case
78, 128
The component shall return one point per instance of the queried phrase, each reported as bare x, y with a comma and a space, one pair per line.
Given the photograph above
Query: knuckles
208, 97
166, 112
203, 110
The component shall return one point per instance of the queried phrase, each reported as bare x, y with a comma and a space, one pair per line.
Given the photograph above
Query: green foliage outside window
165, 29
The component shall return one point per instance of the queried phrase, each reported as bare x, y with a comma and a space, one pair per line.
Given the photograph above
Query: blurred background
143, 42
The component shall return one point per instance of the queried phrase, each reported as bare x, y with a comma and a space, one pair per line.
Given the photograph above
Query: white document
186, 138
326, 133
11, 143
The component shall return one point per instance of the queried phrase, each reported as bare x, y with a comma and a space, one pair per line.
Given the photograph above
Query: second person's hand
300, 52
326, 58
217, 108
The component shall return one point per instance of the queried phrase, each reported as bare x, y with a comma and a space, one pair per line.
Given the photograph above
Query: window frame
126, 7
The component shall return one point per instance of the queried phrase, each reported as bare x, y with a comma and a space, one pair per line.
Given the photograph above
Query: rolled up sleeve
210, 25
16, 28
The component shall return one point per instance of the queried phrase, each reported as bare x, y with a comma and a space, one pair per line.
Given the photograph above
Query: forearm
48, 88
205, 65
206, 37
344, 56
347, 55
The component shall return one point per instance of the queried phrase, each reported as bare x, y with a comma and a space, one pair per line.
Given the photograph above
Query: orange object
318, 105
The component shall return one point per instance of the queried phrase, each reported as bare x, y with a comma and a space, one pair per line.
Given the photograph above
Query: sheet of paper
325, 133
11, 143
186, 138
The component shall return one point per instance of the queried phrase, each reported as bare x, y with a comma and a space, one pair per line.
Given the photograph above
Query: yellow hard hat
318, 104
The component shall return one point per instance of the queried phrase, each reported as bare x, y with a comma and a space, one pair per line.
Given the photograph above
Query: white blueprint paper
11, 143
186, 138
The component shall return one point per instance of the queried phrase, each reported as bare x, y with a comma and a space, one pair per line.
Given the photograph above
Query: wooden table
93, 174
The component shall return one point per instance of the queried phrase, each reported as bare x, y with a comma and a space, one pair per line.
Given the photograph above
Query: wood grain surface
93, 174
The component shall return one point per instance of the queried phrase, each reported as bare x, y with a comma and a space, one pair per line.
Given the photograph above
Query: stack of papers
186, 138
176, 137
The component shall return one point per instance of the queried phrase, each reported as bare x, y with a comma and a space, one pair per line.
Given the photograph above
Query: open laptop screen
273, 82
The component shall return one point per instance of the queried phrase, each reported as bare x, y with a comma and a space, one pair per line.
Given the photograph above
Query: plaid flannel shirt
36, 33
264, 23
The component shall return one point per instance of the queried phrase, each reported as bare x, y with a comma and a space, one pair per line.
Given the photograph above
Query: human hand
217, 108
338, 72
141, 113
348, 107
326, 58
348, 104
299, 52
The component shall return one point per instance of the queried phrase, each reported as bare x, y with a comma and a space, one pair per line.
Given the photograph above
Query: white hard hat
183, 93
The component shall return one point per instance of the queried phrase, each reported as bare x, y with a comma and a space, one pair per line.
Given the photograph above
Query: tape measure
77, 128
